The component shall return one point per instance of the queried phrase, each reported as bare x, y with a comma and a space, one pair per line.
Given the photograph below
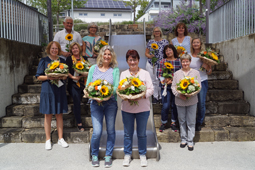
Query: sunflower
96, 83
154, 46
69, 37
103, 42
184, 84
104, 90
54, 65
122, 81
79, 66
136, 82
215, 57
168, 65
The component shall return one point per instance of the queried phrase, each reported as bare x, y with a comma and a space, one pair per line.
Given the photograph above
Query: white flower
142, 87
98, 87
132, 87
123, 86
196, 82
109, 87
96, 48
126, 83
191, 88
105, 82
91, 88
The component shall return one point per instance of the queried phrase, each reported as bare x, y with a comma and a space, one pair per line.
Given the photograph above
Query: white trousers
154, 79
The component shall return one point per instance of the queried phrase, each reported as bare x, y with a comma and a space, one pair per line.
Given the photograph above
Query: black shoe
174, 127
154, 101
183, 145
190, 148
162, 127
198, 127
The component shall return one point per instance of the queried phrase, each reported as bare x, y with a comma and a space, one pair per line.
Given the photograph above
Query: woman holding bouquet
171, 57
206, 70
154, 53
139, 112
76, 82
105, 69
53, 100
182, 38
186, 106
90, 41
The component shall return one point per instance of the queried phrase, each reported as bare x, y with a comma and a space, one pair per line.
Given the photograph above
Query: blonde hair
202, 46
161, 33
49, 46
185, 56
72, 45
113, 63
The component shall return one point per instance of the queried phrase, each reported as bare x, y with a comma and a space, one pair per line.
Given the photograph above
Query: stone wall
15, 60
239, 53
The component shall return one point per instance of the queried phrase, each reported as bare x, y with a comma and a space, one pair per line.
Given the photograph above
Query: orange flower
192, 81
119, 87
48, 65
90, 83
61, 66
198, 85
142, 83
205, 53
96, 87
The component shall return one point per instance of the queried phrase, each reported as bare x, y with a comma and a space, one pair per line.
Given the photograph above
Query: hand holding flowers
167, 74
188, 86
208, 57
69, 38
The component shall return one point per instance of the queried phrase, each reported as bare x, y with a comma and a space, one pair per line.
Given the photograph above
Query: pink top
143, 104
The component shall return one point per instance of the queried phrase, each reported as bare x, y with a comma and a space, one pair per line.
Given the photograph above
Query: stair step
72, 135
33, 70
35, 135
11, 122
228, 107
241, 133
220, 67
223, 84
26, 98
29, 88
10, 135
30, 79
220, 75
224, 95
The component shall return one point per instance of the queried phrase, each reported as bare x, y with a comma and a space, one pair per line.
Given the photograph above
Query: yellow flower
180, 48
54, 65
168, 65
69, 37
154, 46
79, 66
104, 90
122, 81
215, 57
96, 83
184, 84
103, 42
136, 82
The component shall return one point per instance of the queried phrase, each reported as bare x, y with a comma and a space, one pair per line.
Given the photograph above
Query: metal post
72, 9
159, 6
172, 5
207, 20
190, 3
50, 20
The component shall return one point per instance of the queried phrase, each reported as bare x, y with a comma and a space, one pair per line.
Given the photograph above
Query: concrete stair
227, 114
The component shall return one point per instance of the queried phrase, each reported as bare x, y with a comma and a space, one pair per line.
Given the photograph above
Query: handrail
110, 31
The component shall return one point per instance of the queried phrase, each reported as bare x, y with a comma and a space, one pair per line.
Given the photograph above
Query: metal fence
232, 20
22, 23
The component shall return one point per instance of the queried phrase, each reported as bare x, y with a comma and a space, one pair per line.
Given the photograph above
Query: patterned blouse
159, 53
185, 43
103, 75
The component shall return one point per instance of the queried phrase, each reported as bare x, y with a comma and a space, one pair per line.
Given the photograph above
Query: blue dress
53, 99
185, 43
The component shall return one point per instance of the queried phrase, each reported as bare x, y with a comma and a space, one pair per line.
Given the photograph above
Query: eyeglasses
157, 31
134, 60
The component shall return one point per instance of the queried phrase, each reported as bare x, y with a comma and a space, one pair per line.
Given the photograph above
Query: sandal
80, 128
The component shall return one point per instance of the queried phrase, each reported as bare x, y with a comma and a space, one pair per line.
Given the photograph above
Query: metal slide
121, 44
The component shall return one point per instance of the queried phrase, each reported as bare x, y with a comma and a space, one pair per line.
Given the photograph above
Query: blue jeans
167, 101
141, 124
201, 102
109, 110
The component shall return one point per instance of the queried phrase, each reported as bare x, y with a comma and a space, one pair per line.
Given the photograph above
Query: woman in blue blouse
182, 38
170, 56
53, 100
105, 69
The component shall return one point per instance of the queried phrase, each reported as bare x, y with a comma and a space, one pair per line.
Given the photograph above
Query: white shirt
196, 63
60, 38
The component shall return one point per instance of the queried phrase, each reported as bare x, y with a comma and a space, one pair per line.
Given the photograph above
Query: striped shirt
177, 77
103, 75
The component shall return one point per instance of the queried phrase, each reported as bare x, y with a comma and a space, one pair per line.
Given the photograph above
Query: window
115, 15
80, 14
102, 14
166, 6
85, 14
119, 15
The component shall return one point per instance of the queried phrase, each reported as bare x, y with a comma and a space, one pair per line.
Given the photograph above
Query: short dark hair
178, 25
133, 53
173, 48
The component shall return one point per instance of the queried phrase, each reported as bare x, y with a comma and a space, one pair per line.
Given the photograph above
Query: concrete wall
239, 53
15, 60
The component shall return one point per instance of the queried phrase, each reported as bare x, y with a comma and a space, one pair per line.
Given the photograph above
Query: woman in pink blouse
139, 112
186, 107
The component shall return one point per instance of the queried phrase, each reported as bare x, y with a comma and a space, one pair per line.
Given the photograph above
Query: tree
140, 12
57, 6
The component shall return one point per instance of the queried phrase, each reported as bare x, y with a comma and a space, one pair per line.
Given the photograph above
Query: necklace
134, 73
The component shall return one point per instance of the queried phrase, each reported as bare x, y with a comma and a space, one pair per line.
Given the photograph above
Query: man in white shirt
60, 37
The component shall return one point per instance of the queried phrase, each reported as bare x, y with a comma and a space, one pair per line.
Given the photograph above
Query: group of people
53, 99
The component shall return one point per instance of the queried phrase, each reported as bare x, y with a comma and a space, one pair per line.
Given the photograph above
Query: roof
106, 5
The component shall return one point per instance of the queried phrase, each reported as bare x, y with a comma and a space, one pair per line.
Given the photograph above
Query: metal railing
22, 23
233, 19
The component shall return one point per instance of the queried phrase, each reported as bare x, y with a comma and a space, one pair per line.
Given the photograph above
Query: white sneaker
127, 160
143, 160
48, 145
63, 143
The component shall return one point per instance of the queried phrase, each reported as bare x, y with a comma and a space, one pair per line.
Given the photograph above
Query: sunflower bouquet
209, 57
99, 90
131, 88
154, 48
167, 74
81, 67
99, 45
69, 38
57, 70
180, 50
188, 86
